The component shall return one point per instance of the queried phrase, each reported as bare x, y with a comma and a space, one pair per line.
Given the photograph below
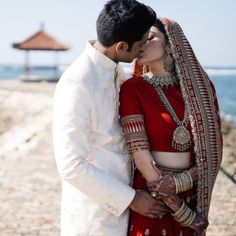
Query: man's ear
121, 47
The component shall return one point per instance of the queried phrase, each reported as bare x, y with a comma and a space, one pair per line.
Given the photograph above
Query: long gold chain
181, 139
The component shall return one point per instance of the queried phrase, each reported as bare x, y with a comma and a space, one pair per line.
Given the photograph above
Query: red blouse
139, 97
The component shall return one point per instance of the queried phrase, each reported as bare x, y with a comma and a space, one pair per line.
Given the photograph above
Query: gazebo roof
41, 41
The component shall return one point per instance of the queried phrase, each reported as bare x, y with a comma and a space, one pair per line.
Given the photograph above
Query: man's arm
71, 119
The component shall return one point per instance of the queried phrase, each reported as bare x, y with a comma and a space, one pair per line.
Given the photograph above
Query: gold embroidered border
134, 131
198, 96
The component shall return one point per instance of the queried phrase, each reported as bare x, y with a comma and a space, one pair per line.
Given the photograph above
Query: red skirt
143, 226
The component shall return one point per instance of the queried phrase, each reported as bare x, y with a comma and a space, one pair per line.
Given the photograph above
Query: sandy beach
29, 182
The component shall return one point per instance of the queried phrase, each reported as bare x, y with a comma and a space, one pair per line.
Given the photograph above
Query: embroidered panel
133, 128
199, 96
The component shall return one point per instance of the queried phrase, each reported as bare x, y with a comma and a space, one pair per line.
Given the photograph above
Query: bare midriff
175, 160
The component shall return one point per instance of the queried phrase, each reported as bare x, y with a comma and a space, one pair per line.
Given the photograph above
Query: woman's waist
172, 160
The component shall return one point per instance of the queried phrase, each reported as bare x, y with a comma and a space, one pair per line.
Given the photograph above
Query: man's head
124, 25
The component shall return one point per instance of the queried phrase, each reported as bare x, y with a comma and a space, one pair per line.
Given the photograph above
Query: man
89, 147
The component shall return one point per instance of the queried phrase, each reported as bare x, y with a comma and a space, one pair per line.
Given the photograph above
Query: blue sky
208, 24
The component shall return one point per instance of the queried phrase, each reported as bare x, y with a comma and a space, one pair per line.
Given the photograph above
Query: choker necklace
181, 139
155, 80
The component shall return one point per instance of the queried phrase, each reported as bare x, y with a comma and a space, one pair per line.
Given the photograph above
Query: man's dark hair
124, 20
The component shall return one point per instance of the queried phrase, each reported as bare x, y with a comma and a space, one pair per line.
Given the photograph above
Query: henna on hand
199, 223
165, 188
165, 185
168, 184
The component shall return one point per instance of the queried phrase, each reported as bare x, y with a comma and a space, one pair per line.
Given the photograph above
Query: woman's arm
143, 161
166, 184
182, 213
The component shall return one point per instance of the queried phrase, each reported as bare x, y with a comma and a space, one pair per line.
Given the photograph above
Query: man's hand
144, 204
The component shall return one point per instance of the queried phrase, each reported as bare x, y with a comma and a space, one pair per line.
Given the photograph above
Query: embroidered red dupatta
205, 121
199, 96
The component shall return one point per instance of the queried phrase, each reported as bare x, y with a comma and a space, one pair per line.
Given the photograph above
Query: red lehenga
137, 99
150, 126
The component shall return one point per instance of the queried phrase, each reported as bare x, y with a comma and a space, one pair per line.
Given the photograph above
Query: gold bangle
183, 181
176, 184
192, 218
185, 216
190, 178
180, 212
188, 219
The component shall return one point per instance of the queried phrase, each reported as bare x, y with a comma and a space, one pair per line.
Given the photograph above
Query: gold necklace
168, 80
181, 139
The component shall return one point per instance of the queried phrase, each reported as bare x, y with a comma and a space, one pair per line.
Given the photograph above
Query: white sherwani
92, 161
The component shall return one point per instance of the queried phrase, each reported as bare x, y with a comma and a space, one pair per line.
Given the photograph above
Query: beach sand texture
29, 182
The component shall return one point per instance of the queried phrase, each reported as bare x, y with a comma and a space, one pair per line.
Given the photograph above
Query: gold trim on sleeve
134, 131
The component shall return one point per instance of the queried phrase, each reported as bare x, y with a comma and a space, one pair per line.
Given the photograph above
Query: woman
169, 116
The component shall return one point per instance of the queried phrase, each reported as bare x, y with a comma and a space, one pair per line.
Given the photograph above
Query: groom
89, 148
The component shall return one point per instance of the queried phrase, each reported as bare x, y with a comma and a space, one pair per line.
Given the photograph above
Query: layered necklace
181, 139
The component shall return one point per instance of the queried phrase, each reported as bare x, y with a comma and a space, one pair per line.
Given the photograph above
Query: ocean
224, 79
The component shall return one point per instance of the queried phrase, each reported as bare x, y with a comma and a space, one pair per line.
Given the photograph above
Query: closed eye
149, 39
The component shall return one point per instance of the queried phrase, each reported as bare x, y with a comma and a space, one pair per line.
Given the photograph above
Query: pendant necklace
181, 139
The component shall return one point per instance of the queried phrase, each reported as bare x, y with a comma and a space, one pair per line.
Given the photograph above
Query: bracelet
180, 212
191, 218
183, 181
184, 215
190, 178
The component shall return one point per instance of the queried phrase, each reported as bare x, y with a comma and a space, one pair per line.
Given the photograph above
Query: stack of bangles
184, 215
183, 181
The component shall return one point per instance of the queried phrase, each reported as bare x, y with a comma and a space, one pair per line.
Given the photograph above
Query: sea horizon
223, 77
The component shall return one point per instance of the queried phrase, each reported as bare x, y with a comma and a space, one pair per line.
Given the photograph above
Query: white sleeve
71, 116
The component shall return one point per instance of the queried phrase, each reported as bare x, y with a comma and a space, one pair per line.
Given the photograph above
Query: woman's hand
199, 223
165, 185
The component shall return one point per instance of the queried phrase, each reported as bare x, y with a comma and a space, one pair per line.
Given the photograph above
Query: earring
169, 63
146, 69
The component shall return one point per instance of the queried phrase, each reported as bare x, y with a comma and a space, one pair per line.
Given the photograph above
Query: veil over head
199, 96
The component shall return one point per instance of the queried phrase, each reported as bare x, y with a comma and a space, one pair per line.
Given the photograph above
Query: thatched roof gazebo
40, 41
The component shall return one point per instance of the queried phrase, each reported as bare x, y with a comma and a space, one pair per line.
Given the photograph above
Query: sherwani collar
98, 57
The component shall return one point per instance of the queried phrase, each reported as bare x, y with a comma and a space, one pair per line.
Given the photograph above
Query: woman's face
154, 49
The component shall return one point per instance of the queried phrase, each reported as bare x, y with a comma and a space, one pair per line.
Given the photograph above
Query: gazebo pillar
27, 65
56, 63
